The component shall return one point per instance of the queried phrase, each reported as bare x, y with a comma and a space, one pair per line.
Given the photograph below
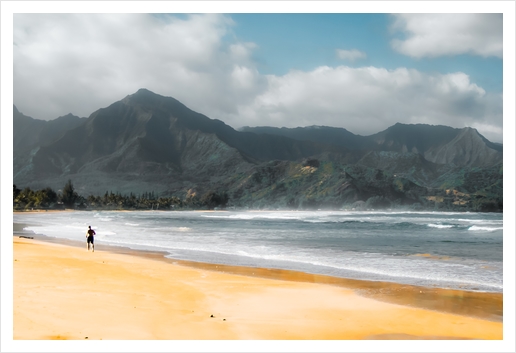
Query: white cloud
80, 63
350, 55
367, 100
432, 35
242, 51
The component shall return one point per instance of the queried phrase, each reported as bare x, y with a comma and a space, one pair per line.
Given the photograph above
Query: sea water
436, 249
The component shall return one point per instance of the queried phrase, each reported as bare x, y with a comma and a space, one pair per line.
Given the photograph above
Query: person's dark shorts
90, 239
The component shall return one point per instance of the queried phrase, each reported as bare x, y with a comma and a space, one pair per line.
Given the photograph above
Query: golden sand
65, 292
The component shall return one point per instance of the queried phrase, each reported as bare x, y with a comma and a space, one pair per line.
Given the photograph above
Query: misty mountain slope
440, 144
321, 134
412, 166
146, 130
252, 146
143, 133
437, 144
318, 184
29, 133
416, 138
106, 131
468, 148
147, 142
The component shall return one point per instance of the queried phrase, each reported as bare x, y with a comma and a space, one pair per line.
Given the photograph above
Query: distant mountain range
29, 133
148, 142
437, 144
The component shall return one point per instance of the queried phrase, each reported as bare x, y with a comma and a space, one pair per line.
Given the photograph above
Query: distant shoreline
248, 210
137, 295
485, 305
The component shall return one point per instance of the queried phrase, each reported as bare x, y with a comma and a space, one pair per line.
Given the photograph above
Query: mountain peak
470, 130
144, 91
68, 116
149, 99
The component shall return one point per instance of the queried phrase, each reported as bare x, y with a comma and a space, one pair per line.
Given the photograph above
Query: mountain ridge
28, 132
146, 140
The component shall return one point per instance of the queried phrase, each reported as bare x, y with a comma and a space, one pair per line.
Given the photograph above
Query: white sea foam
251, 216
487, 229
293, 240
441, 226
72, 226
473, 220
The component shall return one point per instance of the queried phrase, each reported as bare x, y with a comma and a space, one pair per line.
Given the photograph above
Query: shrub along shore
67, 198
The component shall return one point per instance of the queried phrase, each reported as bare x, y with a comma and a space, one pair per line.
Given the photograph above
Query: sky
360, 71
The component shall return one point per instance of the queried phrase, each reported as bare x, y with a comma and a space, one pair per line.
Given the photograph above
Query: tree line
68, 198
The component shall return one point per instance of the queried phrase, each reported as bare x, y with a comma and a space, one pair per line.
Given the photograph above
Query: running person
89, 238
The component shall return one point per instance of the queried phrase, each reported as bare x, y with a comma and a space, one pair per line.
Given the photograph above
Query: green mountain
436, 143
148, 142
29, 133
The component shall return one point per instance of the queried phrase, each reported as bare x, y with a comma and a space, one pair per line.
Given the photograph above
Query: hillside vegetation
147, 144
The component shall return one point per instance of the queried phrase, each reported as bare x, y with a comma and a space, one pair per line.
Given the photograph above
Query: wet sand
63, 292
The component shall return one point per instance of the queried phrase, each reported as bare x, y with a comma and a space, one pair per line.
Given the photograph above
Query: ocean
433, 249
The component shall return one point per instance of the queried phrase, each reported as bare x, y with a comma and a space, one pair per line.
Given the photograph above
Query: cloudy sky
362, 72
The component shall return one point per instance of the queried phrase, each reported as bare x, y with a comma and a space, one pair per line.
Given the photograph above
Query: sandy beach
64, 292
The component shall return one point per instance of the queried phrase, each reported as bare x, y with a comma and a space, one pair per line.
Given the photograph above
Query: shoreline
394, 210
62, 292
475, 304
